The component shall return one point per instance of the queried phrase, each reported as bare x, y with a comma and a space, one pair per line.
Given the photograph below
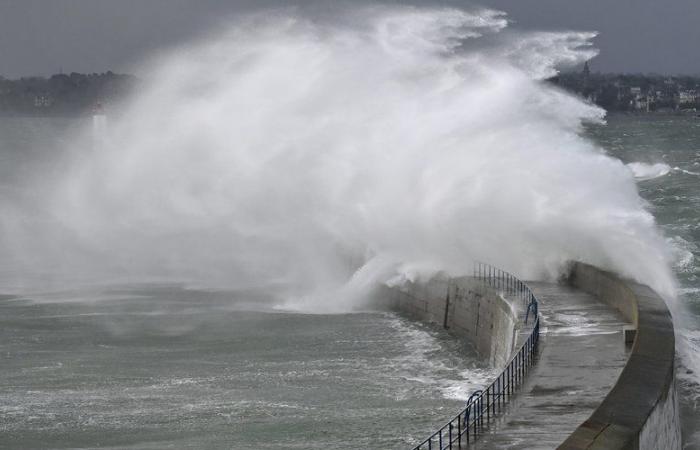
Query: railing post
494, 400
459, 430
488, 410
508, 378
500, 391
466, 420
480, 417
520, 367
527, 355
481, 412
449, 435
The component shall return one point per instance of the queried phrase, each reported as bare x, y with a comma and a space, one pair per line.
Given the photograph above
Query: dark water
164, 366
167, 367
674, 199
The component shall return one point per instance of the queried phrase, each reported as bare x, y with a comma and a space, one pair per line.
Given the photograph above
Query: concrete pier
582, 353
604, 371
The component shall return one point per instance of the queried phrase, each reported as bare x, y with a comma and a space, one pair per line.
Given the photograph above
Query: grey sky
40, 37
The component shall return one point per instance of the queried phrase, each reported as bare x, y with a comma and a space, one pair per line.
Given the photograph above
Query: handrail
488, 403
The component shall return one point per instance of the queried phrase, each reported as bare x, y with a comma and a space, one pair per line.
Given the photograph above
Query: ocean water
275, 169
101, 363
664, 153
167, 365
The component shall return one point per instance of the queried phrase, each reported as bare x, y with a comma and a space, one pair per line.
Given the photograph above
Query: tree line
63, 94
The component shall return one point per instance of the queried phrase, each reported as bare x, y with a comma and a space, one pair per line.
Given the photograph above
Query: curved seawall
641, 411
465, 307
631, 403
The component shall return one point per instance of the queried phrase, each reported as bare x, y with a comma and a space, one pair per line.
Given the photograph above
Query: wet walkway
580, 357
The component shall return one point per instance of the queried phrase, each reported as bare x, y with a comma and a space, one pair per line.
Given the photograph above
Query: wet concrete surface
580, 357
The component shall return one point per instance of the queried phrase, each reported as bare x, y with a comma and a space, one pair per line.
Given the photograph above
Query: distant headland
73, 94
78, 94
633, 92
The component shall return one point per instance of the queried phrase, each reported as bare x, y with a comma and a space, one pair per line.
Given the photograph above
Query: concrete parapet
641, 411
465, 307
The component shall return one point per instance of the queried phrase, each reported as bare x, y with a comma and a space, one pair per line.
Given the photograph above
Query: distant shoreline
64, 95
632, 92
77, 95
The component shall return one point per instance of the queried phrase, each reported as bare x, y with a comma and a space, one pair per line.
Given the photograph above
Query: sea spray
643, 172
315, 157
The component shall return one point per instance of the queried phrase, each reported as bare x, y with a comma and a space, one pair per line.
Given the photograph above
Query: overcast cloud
41, 37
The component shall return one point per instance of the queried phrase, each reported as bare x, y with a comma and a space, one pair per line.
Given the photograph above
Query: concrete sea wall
641, 411
465, 307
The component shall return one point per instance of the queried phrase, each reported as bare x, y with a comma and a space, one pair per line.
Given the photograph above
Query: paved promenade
581, 356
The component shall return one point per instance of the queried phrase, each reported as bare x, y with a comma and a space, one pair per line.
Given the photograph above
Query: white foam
287, 153
685, 291
643, 171
573, 325
423, 365
687, 172
683, 250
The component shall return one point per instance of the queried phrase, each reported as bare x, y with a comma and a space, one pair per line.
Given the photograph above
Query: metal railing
509, 284
485, 405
